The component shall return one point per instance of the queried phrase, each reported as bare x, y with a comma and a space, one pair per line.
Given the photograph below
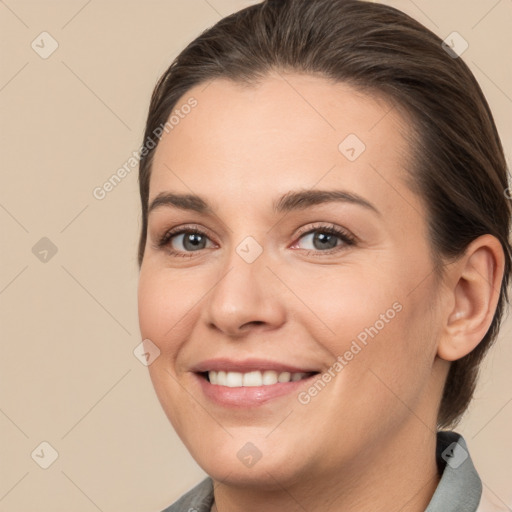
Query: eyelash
344, 236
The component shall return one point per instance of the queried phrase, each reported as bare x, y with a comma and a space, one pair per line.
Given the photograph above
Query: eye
326, 239
183, 240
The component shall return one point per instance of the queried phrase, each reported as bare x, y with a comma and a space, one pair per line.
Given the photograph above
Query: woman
324, 259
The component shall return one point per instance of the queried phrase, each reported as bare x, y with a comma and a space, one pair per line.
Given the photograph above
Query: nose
245, 297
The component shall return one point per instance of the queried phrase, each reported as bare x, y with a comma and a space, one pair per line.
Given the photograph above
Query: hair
459, 168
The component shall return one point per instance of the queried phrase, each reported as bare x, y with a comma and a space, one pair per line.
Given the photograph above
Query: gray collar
459, 489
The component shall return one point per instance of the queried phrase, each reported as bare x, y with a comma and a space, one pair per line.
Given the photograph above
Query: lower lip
248, 396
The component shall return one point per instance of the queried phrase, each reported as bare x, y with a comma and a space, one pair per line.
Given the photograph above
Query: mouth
254, 378
249, 383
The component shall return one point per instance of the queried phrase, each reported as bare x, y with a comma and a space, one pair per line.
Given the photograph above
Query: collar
460, 487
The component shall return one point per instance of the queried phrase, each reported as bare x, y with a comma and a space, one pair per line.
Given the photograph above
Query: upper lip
247, 365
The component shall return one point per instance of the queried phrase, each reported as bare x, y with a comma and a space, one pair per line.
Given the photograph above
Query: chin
264, 477
264, 464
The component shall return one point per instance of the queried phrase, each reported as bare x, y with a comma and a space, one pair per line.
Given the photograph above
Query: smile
249, 383
253, 378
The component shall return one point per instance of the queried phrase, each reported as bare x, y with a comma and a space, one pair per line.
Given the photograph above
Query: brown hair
459, 166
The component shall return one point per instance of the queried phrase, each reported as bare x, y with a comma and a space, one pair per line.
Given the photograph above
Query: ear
474, 288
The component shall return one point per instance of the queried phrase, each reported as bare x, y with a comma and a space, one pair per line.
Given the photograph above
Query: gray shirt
459, 490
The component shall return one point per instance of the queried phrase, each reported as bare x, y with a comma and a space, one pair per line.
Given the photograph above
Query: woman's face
267, 292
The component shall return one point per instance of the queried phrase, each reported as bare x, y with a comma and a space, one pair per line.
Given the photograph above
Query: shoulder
198, 499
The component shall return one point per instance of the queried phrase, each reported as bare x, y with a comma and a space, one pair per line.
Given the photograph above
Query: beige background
69, 325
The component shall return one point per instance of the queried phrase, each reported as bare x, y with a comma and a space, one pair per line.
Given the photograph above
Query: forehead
285, 132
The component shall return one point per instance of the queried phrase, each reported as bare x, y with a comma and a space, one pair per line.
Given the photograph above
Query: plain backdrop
68, 273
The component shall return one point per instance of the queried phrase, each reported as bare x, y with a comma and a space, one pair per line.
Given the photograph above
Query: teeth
252, 379
284, 377
269, 377
233, 379
213, 377
255, 378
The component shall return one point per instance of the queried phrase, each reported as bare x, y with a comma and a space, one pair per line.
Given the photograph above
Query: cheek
377, 326
152, 302
348, 302
165, 305
396, 362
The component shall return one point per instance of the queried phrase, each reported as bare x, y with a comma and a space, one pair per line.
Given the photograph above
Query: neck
402, 475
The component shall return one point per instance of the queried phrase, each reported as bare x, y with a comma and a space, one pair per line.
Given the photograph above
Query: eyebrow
293, 200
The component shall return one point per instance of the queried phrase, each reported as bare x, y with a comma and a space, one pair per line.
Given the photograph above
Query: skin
240, 149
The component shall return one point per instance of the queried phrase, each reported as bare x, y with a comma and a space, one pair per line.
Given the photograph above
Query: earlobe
476, 278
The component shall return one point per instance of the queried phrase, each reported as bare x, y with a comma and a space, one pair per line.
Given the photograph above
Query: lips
249, 382
248, 365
